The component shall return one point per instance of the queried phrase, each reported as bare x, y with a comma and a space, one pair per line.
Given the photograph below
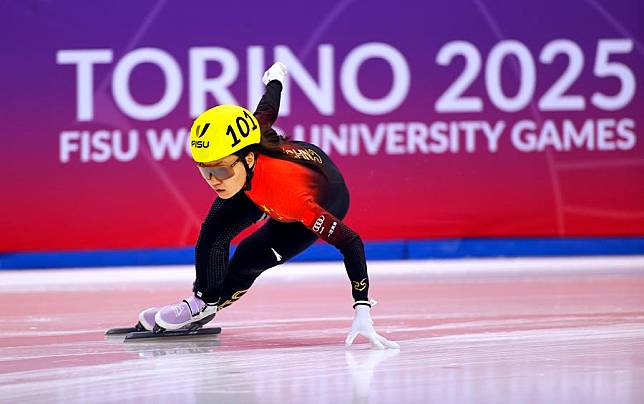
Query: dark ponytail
270, 144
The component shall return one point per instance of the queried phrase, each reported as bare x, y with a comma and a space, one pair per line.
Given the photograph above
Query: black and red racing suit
305, 197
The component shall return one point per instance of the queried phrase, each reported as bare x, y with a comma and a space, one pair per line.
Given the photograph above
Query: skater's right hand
363, 325
276, 72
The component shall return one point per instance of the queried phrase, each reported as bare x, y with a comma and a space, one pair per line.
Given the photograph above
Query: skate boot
146, 318
190, 311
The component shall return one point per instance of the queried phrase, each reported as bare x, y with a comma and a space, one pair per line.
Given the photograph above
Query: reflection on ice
161, 348
362, 365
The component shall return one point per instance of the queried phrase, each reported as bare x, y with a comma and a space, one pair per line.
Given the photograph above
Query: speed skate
139, 331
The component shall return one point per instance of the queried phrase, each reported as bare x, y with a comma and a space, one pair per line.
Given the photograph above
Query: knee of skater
214, 239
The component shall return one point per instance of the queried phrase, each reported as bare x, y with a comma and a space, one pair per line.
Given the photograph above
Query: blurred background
463, 129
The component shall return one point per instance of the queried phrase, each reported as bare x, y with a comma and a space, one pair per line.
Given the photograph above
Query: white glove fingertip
389, 344
375, 343
350, 338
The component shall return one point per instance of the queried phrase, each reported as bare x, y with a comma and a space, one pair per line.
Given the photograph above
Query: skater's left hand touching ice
363, 325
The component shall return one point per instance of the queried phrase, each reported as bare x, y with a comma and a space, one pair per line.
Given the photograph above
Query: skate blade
126, 330
172, 333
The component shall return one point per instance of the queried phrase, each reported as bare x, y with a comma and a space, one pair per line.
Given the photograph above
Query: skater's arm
269, 105
333, 231
348, 242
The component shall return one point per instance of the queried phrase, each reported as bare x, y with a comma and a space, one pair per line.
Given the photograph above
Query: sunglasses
220, 172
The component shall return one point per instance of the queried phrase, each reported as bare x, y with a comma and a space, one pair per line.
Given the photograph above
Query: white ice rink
510, 331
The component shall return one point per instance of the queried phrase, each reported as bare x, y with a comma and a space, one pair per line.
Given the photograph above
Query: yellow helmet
222, 131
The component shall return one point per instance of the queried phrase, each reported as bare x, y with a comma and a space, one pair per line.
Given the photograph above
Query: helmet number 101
242, 126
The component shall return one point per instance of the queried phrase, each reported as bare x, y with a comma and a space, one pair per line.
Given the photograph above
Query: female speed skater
257, 173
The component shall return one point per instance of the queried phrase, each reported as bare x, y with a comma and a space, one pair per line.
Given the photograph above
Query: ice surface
511, 331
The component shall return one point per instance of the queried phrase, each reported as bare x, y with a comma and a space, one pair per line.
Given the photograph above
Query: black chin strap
249, 172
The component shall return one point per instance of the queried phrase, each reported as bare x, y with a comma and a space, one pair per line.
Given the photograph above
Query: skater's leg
226, 219
271, 245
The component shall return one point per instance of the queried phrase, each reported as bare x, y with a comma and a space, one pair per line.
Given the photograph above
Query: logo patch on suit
360, 286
